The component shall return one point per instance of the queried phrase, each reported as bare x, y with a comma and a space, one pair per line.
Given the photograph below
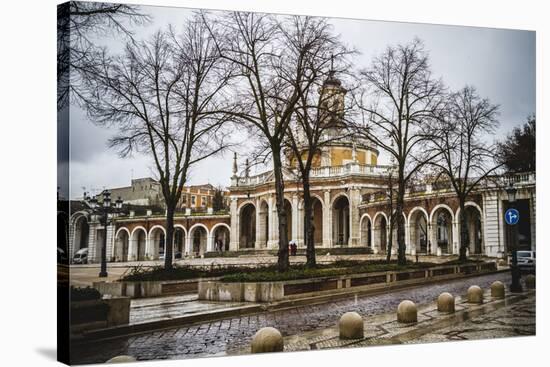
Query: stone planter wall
98, 314
147, 288
215, 290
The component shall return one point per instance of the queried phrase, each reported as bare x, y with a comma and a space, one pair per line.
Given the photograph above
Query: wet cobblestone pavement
230, 335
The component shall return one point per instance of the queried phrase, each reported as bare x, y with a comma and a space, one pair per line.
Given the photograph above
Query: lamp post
513, 237
103, 210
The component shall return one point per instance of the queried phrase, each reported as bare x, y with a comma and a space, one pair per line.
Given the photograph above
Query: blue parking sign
511, 216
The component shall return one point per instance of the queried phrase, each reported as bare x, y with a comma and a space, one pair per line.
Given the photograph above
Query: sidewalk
512, 316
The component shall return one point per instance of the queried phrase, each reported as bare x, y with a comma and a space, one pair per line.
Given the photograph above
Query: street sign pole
512, 219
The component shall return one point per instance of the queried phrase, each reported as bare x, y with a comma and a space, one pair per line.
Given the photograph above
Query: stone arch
365, 234
122, 245
380, 232
441, 221
474, 226
81, 235
247, 225
220, 232
138, 244
341, 219
317, 210
180, 236
198, 237
157, 242
418, 230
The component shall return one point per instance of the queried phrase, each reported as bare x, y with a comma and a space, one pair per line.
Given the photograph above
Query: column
187, 244
455, 230
110, 253
354, 201
258, 224
327, 220
92, 245
209, 242
234, 237
300, 237
273, 242
295, 213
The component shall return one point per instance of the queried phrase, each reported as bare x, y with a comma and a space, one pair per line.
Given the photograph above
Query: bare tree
273, 61
398, 104
160, 94
319, 118
465, 158
77, 22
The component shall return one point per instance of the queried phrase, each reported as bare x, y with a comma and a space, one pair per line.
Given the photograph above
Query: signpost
511, 216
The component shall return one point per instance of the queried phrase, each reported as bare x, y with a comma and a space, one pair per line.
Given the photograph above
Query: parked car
527, 260
81, 256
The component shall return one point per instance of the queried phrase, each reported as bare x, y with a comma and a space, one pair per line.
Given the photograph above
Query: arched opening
221, 238
157, 239
317, 209
138, 240
366, 232
442, 223
340, 220
475, 231
381, 233
122, 244
81, 234
288, 211
418, 229
179, 242
247, 221
198, 238
264, 224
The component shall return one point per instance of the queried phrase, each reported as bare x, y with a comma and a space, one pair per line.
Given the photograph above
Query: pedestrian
293, 248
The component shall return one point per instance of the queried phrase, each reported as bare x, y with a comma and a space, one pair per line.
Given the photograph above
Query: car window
524, 254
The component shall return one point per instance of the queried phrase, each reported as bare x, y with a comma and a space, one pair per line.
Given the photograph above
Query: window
193, 200
203, 201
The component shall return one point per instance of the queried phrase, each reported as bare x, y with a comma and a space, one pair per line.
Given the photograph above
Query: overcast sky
499, 63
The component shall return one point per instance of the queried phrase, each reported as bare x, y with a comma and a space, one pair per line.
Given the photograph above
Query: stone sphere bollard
446, 302
497, 289
266, 340
530, 281
475, 294
351, 326
406, 312
121, 359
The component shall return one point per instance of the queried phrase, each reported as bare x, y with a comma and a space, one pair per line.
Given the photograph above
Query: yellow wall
338, 155
316, 162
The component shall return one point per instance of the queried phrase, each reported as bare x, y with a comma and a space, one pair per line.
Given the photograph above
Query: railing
320, 172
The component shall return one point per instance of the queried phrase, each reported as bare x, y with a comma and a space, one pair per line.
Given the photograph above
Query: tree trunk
401, 257
390, 238
464, 233
283, 261
309, 227
169, 240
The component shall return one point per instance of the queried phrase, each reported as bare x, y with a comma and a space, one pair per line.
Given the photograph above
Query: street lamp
102, 210
513, 237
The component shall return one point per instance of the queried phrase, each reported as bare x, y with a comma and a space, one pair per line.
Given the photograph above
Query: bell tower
332, 99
